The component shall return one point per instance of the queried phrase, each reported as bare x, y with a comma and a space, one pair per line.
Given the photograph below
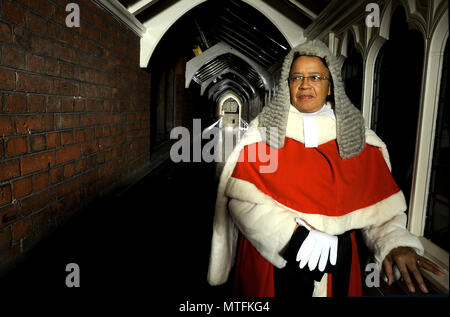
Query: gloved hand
317, 245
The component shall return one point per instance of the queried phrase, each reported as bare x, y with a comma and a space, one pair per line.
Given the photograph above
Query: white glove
316, 245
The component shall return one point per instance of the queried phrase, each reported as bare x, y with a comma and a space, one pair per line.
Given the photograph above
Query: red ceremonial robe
311, 180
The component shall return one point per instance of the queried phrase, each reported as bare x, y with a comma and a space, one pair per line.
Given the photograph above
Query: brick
89, 91
67, 121
5, 33
40, 181
34, 83
5, 194
7, 79
9, 170
69, 170
53, 140
33, 123
9, 254
37, 162
57, 174
109, 142
89, 148
49, 122
106, 169
91, 162
21, 229
37, 143
89, 120
79, 104
15, 103
13, 57
99, 132
44, 7
14, 13
68, 187
53, 104
67, 138
67, 104
22, 187
41, 220
5, 238
51, 67
68, 36
42, 65
81, 165
6, 125
36, 103
65, 53
89, 134
37, 201
36, 23
35, 63
30, 123
90, 177
68, 153
106, 131
79, 73
53, 29
89, 32
66, 87
60, 14
94, 105
8, 214
40, 45
16, 146
66, 70
79, 136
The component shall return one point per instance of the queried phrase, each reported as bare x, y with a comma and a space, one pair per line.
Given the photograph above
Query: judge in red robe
308, 165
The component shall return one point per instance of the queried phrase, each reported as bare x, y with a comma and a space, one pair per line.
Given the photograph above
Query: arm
383, 238
268, 226
391, 244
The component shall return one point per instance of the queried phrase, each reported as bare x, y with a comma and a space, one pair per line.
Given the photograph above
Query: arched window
352, 74
436, 226
231, 112
230, 106
398, 80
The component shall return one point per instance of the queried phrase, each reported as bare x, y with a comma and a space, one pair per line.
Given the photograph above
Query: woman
296, 225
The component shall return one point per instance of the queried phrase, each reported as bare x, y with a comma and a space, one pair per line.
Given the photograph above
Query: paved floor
153, 240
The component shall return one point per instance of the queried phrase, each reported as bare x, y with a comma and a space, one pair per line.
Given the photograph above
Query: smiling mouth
305, 97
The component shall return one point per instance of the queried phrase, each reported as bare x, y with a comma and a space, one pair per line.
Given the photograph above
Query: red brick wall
74, 115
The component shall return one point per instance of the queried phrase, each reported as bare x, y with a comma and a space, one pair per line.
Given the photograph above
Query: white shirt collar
310, 133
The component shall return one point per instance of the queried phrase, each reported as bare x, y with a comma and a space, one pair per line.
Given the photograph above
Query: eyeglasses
312, 79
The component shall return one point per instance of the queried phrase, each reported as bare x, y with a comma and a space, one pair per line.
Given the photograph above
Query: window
230, 106
396, 104
352, 74
437, 217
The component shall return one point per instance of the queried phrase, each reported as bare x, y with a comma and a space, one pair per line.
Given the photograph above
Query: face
309, 96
